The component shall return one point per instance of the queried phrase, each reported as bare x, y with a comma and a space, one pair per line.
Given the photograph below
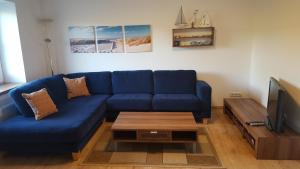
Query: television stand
266, 144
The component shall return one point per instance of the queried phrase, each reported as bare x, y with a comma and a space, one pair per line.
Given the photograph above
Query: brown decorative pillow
40, 103
76, 87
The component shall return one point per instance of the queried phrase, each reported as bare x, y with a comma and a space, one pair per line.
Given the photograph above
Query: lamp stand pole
48, 41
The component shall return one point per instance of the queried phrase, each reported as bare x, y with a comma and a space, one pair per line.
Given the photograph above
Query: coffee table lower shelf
155, 136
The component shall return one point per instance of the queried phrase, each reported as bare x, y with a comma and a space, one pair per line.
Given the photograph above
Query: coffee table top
179, 121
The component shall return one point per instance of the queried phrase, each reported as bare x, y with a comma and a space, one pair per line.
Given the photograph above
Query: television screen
292, 111
275, 106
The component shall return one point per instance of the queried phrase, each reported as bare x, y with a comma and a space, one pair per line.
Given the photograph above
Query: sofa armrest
7, 112
204, 90
7, 108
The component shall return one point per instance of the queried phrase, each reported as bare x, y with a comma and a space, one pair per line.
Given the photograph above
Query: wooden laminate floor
233, 150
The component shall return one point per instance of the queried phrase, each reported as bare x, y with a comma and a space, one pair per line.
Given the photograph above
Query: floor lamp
48, 41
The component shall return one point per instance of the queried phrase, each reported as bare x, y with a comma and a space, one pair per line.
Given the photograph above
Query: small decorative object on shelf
193, 37
181, 21
205, 20
194, 19
202, 21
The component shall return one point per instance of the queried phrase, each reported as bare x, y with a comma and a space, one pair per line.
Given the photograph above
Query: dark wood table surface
179, 121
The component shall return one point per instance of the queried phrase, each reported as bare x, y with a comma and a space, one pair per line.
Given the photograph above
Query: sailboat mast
180, 21
181, 13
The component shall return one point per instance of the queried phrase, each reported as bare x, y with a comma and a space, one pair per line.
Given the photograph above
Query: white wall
276, 47
243, 58
32, 38
226, 66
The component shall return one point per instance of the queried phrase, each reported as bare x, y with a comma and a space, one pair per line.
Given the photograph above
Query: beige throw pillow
76, 87
40, 103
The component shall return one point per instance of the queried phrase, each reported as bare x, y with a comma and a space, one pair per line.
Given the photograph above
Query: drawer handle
153, 132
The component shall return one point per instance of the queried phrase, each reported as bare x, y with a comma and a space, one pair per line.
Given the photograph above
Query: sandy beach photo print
110, 39
138, 38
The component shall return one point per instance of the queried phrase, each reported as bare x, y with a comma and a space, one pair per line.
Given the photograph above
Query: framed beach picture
82, 39
138, 38
110, 39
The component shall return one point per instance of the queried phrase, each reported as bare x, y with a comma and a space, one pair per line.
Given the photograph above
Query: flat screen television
276, 106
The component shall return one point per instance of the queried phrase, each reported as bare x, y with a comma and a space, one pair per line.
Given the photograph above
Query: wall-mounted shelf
193, 37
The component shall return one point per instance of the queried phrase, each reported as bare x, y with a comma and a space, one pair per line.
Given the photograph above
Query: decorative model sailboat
181, 21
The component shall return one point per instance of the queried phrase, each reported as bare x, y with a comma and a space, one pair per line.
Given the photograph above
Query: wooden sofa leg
205, 120
76, 156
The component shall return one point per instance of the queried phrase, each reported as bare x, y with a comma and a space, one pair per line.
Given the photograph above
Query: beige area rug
105, 152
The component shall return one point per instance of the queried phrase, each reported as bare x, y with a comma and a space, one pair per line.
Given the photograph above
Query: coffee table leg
194, 144
115, 145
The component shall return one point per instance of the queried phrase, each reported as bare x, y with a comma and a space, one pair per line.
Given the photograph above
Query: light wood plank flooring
233, 150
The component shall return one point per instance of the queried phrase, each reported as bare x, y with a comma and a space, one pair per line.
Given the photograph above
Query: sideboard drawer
154, 135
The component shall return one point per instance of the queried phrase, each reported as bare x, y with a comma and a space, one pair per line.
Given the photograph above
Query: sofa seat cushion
176, 102
70, 124
130, 102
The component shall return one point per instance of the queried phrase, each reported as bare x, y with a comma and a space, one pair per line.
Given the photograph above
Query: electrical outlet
236, 94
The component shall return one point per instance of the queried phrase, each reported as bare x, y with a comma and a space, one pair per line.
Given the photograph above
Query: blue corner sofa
111, 92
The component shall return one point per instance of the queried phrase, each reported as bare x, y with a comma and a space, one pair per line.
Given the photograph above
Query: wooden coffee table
155, 127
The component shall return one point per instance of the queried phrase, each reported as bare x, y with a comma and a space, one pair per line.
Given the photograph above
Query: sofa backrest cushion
55, 86
97, 82
21, 104
175, 82
140, 81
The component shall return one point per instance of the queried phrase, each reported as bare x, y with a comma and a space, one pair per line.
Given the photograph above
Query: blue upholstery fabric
55, 86
175, 82
51, 147
176, 102
132, 82
77, 119
69, 124
20, 102
130, 102
39, 147
204, 94
97, 82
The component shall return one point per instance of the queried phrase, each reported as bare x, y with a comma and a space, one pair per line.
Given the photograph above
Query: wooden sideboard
267, 144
